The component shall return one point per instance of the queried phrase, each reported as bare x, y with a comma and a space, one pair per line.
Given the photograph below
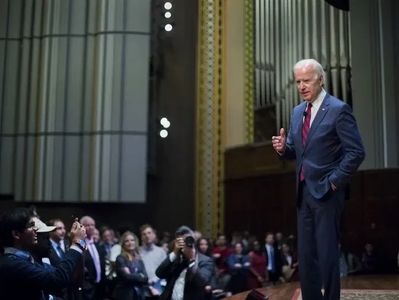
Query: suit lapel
319, 117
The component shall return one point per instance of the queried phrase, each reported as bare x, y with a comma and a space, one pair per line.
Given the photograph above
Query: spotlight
168, 15
168, 27
165, 122
167, 5
163, 133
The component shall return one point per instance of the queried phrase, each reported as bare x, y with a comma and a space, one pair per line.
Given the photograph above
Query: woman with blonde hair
131, 280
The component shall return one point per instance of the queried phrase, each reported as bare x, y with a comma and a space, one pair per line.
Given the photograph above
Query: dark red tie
305, 132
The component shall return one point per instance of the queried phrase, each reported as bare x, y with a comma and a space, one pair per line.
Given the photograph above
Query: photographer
186, 271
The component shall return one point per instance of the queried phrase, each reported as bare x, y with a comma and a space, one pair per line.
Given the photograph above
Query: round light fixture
165, 122
163, 133
168, 27
167, 5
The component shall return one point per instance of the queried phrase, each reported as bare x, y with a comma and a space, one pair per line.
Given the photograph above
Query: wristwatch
81, 244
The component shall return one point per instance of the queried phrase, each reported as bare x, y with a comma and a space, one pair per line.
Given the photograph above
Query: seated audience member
152, 256
289, 263
349, 264
273, 258
220, 253
257, 272
239, 268
186, 271
369, 259
204, 247
94, 263
131, 280
20, 276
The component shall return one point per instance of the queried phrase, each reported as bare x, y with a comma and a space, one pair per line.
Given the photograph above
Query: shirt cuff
172, 256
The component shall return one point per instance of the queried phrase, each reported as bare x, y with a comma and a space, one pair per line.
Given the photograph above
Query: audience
94, 263
238, 268
108, 239
132, 280
220, 253
349, 264
186, 268
369, 259
289, 264
279, 240
57, 240
186, 271
21, 277
152, 256
258, 271
273, 258
204, 247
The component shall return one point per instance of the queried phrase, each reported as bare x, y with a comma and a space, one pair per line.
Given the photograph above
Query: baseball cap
41, 226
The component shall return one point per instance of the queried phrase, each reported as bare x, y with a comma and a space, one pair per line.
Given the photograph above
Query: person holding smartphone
21, 277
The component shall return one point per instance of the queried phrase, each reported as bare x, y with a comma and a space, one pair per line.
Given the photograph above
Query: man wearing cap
20, 276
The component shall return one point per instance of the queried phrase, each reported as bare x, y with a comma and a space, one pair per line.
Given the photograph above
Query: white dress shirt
178, 289
316, 105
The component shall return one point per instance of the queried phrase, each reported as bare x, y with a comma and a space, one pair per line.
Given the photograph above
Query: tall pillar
374, 44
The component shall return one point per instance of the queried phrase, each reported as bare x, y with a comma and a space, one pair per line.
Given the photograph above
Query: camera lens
189, 241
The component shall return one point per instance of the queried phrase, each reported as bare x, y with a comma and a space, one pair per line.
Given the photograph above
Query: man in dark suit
186, 271
58, 245
94, 264
57, 239
20, 276
325, 141
272, 253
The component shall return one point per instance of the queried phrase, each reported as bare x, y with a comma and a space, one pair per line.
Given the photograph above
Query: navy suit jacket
333, 150
22, 279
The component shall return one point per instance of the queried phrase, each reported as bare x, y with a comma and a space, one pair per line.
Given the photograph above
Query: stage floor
286, 291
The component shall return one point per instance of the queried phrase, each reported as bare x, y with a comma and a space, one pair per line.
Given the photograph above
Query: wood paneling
260, 196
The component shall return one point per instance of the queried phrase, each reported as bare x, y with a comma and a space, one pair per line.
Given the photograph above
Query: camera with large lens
189, 241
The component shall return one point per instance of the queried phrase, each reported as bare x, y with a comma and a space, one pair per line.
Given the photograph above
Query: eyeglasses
30, 225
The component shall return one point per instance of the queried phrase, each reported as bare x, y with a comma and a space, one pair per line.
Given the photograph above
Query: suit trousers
318, 238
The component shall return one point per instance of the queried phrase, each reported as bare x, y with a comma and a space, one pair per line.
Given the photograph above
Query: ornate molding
209, 141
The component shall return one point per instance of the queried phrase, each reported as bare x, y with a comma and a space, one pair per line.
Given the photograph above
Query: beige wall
234, 73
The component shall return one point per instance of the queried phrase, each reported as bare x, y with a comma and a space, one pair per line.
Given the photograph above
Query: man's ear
322, 80
16, 234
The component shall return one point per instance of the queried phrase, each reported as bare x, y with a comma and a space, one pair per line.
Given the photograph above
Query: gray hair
317, 67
